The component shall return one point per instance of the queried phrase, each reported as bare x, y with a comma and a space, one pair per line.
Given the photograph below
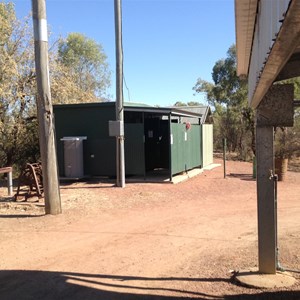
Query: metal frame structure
268, 50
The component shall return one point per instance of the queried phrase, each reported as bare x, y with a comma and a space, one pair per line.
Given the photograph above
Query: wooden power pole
45, 111
120, 157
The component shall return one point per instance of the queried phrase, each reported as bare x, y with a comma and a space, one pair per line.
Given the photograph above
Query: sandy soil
147, 241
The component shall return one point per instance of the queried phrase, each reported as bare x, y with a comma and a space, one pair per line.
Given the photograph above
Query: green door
186, 148
134, 149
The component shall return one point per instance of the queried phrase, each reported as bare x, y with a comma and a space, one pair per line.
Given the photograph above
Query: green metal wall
134, 149
90, 121
186, 147
99, 150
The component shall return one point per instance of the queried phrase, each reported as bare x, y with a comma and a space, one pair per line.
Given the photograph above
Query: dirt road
147, 241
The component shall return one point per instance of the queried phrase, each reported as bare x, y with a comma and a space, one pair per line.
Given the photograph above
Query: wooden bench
8, 170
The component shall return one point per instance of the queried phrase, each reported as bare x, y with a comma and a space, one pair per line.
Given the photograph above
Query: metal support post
170, 146
224, 155
274, 177
266, 200
120, 155
275, 109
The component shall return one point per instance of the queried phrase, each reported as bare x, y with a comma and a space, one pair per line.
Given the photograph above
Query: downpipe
274, 177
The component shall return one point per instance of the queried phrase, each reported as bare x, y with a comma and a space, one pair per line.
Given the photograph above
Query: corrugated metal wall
99, 150
186, 147
134, 149
90, 121
268, 24
207, 144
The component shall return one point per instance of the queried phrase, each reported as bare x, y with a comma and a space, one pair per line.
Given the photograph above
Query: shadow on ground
23, 285
248, 177
24, 216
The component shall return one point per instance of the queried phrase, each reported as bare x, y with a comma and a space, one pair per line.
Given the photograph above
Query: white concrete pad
211, 166
252, 278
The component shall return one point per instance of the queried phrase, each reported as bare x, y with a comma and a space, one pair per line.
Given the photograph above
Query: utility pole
44, 110
120, 157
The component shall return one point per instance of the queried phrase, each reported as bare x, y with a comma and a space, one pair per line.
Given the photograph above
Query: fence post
224, 155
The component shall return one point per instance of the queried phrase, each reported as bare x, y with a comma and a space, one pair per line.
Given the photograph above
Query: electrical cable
124, 79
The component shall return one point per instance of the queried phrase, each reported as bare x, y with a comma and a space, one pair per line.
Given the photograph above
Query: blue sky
167, 44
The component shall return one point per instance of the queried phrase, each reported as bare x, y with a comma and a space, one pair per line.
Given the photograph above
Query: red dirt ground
147, 241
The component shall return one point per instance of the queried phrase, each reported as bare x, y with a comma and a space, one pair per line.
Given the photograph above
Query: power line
128, 92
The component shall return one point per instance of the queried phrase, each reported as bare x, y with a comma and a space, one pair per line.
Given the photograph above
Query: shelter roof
267, 42
204, 111
138, 107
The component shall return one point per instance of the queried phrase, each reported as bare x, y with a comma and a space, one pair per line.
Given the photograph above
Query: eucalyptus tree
17, 88
227, 94
82, 64
190, 103
78, 73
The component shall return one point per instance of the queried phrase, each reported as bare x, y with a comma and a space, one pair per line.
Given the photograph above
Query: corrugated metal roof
137, 107
129, 104
268, 43
102, 104
203, 111
174, 111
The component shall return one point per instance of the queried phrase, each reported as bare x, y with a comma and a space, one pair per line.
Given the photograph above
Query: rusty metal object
30, 182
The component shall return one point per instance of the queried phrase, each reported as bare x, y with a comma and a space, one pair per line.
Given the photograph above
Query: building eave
245, 15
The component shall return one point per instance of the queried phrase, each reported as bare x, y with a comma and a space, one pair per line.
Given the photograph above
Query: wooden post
10, 183
45, 111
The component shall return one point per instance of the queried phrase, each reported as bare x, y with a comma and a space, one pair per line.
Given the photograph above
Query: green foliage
194, 103
80, 52
179, 103
287, 139
82, 64
78, 72
17, 77
227, 94
227, 88
296, 82
190, 103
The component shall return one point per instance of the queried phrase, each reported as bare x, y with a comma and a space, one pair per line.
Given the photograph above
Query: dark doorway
156, 142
